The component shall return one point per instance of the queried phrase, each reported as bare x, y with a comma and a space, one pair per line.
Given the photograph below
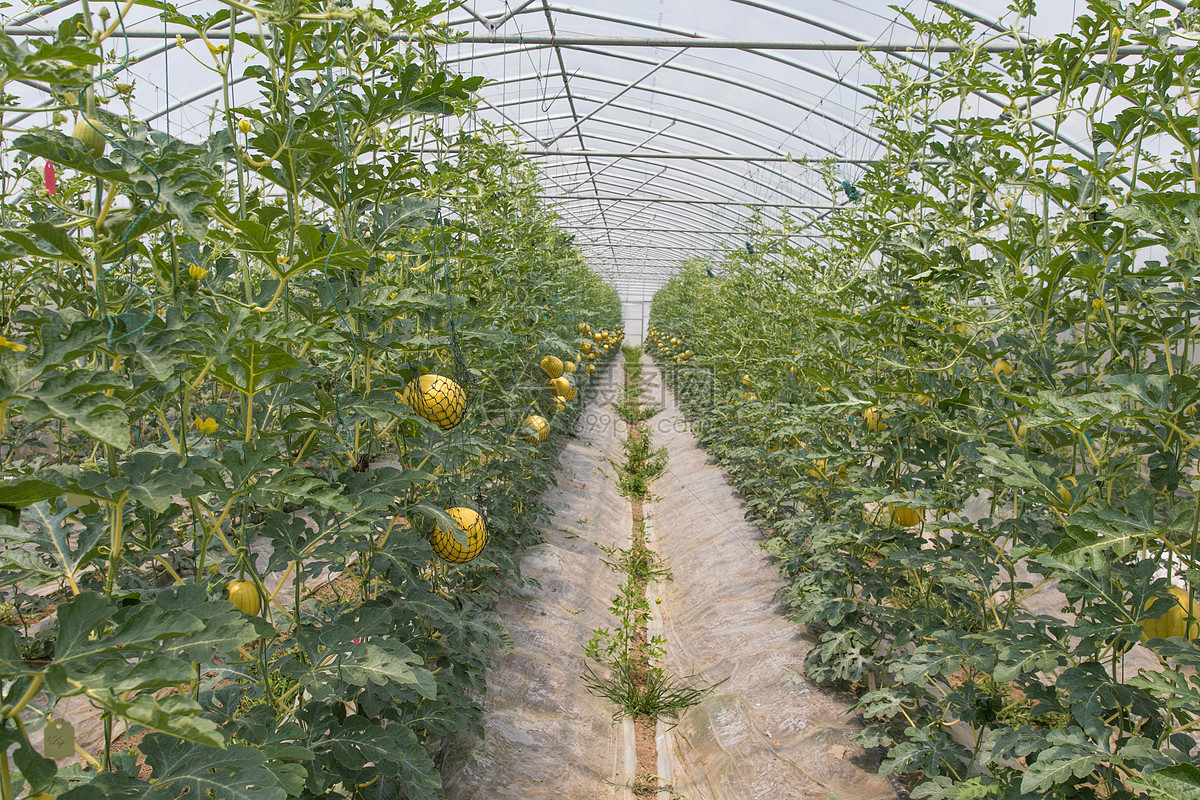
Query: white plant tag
58, 739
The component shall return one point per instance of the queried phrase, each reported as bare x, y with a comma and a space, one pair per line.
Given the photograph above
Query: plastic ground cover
545, 736
766, 732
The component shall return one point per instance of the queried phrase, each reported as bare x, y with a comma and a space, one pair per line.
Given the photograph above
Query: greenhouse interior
709, 400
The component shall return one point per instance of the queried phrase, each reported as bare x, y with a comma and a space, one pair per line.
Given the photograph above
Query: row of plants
966, 410
631, 674
242, 380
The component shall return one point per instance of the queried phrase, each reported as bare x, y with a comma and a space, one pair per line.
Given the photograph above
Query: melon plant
1047, 437
203, 354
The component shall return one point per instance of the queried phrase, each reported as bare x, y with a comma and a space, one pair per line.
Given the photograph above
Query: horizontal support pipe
566, 225
684, 201
819, 46
636, 41
675, 247
813, 162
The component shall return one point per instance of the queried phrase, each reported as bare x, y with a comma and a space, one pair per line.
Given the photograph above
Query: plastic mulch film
766, 732
545, 736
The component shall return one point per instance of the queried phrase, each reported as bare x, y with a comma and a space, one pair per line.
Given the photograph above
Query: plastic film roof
664, 128
655, 149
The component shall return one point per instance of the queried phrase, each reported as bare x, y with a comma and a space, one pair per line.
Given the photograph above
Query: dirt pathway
766, 732
545, 735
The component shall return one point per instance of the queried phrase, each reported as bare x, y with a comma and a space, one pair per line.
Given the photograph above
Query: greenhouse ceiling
664, 130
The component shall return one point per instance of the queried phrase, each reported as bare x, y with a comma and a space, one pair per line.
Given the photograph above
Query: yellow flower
244, 125
206, 425
197, 272
390, 258
16, 347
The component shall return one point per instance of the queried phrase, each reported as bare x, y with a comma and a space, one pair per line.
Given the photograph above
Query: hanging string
166, 71
105, 275
343, 212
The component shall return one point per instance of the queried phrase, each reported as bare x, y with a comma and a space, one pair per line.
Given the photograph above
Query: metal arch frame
684, 250
817, 23
1077, 147
692, 122
650, 274
825, 76
700, 232
644, 182
655, 275
659, 226
670, 243
697, 101
615, 163
800, 184
659, 212
645, 25
679, 241
670, 235
637, 242
665, 235
646, 269
689, 121
707, 178
672, 216
621, 168
33, 16
668, 247
559, 209
1178, 4
691, 200
685, 201
852, 36
628, 87
566, 82
206, 93
640, 24
660, 216
692, 213
745, 176
568, 161
685, 196
775, 9
738, 84
574, 217
675, 215
682, 234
